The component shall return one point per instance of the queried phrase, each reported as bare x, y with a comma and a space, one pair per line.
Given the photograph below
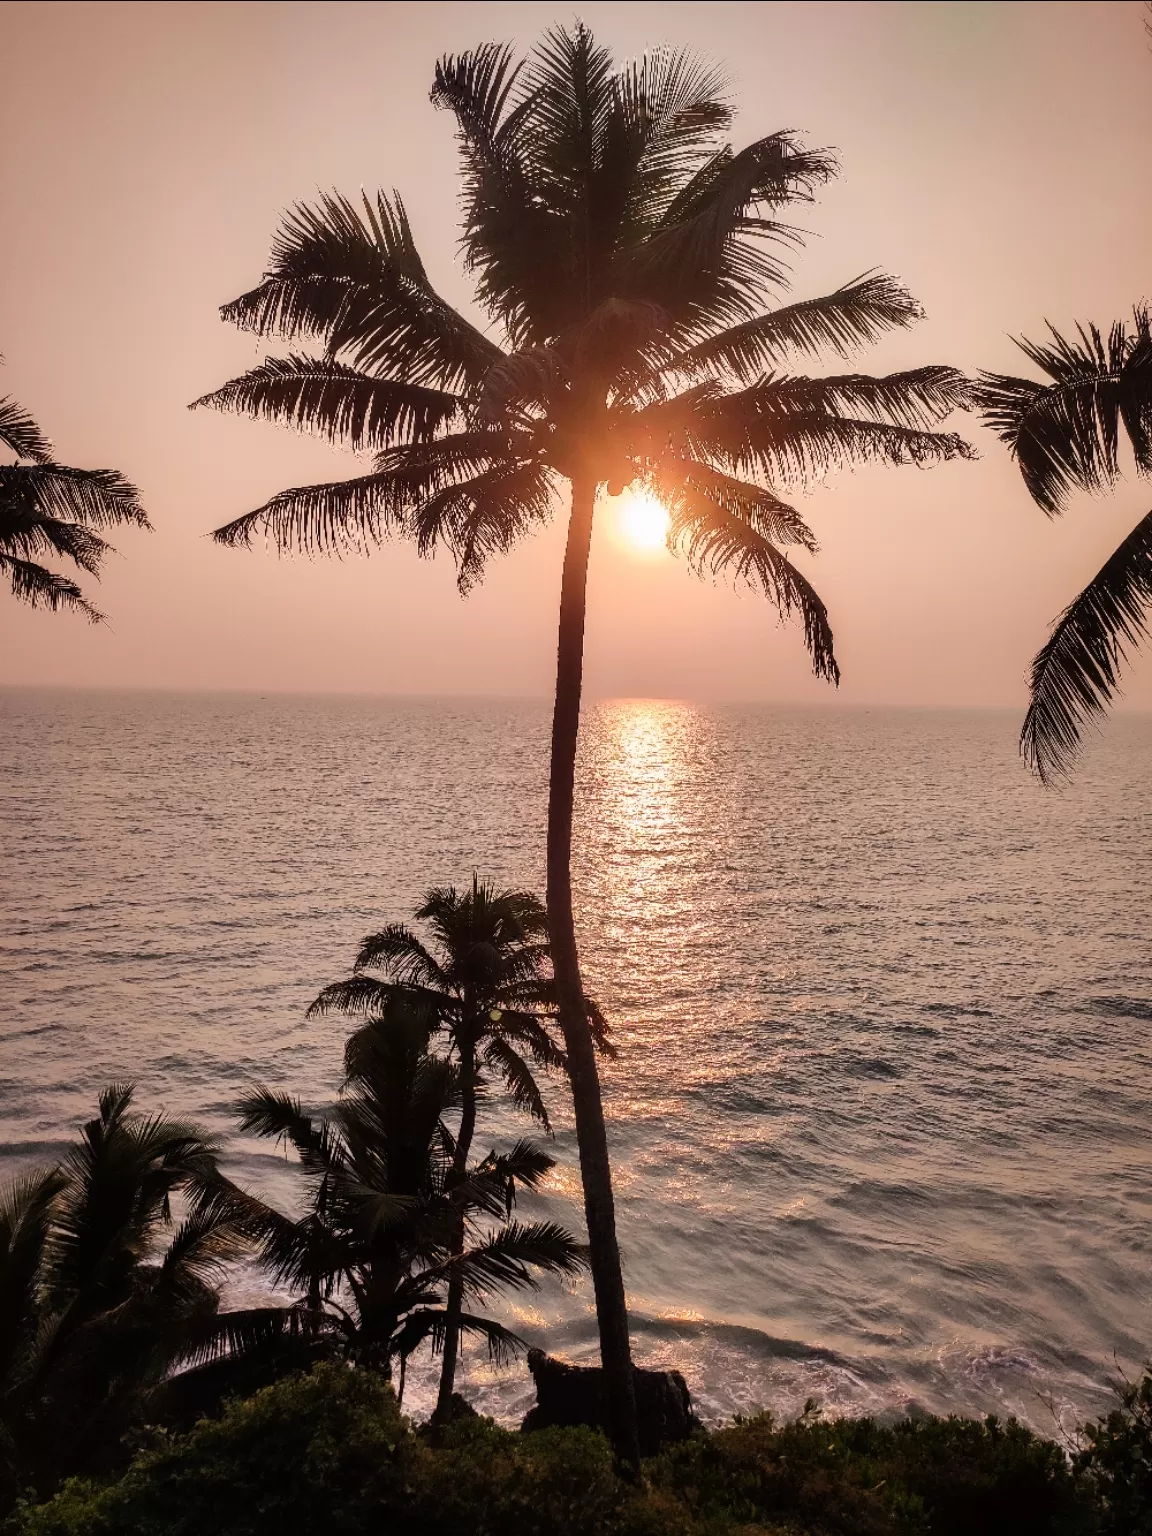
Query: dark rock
567, 1395
458, 1408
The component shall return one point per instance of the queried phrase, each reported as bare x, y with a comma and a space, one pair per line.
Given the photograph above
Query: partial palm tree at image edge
1065, 435
48, 509
630, 261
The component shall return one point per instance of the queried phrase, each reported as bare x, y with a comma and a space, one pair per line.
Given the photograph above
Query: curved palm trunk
591, 1133
455, 1303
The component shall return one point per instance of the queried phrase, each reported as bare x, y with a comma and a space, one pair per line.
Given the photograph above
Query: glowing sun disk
643, 521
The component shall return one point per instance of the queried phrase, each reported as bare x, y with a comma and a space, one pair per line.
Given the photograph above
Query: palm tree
48, 509
1065, 436
95, 1308
374, 1252
485, 978
630, 262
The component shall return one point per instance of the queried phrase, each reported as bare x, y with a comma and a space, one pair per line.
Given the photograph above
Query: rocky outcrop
574, 1394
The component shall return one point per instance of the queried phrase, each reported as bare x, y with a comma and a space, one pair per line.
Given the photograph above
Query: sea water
880, 1116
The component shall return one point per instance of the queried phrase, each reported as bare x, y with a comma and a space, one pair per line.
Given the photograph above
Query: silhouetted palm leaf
27, 1207
1076, 673
1065, 435
21, 434
49, 509
339, 402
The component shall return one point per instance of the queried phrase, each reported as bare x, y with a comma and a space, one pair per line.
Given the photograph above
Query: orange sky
993, 158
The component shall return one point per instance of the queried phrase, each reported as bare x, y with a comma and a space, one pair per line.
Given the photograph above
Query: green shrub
950, 1477
329, 1453
1115, 1462
316, 1452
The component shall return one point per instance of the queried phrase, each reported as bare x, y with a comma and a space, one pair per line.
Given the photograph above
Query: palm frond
1076, 673
718, 541
514, 1258
21, 434
200, 1251
398, 952
338, 402
100, 498
524, 1163
352, 278
521, 1085
668, 110
344, 515
1066, 435
31, 535
760, 508
27, 1206
247, 1332
794, 449
278, 1116
484, 516
854, 316
713, 258
357, 995
41, 588
428, 1325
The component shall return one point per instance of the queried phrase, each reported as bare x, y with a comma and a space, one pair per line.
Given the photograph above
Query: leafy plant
1115, 1461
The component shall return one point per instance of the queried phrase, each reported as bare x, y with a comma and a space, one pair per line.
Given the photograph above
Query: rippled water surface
881, 1113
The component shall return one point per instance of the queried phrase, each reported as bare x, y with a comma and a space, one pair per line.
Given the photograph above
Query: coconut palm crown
484, 978
50, 510
1065, 433
631, 265
102, 1289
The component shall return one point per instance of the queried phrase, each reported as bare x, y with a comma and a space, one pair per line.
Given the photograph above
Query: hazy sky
993, 157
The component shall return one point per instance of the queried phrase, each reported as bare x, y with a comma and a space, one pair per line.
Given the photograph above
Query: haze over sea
880, 1118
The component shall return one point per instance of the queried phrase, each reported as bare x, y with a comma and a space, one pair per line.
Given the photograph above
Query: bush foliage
330, 1452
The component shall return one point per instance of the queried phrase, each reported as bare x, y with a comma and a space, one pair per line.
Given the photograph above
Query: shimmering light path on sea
880, 1116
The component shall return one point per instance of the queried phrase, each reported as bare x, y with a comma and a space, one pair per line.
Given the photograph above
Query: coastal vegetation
631, 264
133, 1401
48, 509
330, 1451
112, 1263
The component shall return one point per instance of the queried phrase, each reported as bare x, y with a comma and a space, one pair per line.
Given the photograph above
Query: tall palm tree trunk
455, 1303
591, 1133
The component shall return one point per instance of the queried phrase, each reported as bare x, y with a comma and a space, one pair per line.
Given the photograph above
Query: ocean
880, 1118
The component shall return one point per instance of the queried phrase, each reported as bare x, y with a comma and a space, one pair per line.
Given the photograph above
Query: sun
641, 521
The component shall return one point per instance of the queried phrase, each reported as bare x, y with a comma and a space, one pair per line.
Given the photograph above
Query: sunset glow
642, 522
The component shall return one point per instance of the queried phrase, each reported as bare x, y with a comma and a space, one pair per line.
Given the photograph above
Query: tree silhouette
484, 976
1065, 436
375, 1252
95, 1305
630, 263
48, 509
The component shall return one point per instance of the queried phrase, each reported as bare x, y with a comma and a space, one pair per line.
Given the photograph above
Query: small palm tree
1065, 436
95, 1306
48, 509
374, 1254
485, 978
630, 263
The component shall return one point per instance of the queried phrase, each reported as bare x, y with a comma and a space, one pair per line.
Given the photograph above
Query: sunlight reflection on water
879, 1120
